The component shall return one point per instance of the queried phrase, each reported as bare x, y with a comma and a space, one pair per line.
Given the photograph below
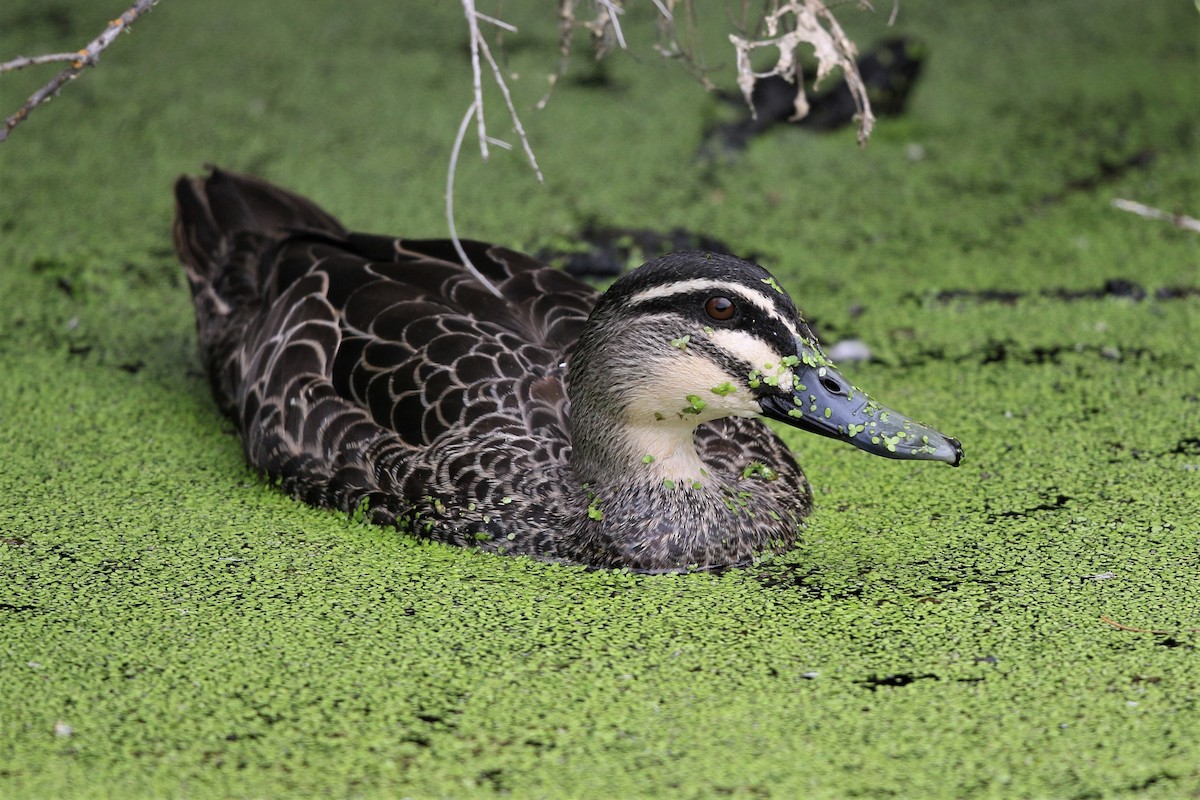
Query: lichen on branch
78, 61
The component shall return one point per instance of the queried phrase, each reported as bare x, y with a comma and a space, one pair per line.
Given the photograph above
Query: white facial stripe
761, 300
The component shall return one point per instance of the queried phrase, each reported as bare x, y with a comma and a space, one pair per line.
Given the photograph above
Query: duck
466, 393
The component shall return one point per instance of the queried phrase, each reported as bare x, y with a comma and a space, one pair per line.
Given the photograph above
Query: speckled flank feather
376, 373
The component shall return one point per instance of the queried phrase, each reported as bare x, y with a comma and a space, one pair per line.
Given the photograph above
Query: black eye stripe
779, 322
727, 361
689, 303
688, 308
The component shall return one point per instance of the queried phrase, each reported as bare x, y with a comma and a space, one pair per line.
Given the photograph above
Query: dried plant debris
787, 26
603, 252
889, 71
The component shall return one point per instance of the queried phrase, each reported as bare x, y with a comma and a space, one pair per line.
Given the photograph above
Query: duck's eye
719, 308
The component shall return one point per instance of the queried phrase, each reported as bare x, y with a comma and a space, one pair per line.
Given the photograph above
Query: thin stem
472, 110
21, 62
476, 73
1150, 212
512, 111
87, 57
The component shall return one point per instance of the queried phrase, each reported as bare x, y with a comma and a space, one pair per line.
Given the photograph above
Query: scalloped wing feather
368, 368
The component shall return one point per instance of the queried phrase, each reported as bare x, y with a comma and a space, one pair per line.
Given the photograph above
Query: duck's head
695, 336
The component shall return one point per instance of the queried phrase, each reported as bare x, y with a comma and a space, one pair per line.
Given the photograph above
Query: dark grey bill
822, 401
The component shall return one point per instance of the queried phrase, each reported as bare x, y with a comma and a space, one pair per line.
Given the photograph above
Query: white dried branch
512, 110
89, 56
499, 23
472, 110
1150, 212
608, 18
21, 62
479, 46
788, 25
476, 76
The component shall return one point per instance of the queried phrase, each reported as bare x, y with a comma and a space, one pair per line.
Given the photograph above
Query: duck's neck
653, 504
646, 498
610, 444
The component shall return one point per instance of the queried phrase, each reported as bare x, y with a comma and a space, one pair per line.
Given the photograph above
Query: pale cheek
689, 390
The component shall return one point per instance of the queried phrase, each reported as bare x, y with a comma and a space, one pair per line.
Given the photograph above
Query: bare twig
512, 111
479, 46
605, 28
21, 62
472, 110
1149, 212
477, 77
87, 57
609, 17
789, 23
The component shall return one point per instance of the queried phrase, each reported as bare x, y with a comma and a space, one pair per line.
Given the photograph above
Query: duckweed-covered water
172, 626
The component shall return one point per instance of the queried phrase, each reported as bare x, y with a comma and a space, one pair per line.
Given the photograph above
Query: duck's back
368, 369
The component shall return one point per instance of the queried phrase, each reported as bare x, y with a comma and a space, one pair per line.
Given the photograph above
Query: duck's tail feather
226, 225
221, 214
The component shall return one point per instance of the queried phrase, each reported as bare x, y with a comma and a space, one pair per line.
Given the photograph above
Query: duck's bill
822, 401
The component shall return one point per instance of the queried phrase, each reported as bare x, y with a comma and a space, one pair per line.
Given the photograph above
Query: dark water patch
807, 583
1187, 447
895, 680
742, 790
63, 553
1159, 777
1120, 288
14, 608
605, 251
1176, 292
947, 583
1172, 642
493, 779
1121, 451
1008, 351
1057, 504
1105, 170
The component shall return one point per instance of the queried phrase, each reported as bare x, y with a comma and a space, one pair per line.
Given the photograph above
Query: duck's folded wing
369, 368
417, 341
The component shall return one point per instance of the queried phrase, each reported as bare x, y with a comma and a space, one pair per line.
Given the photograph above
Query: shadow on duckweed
1117, 288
